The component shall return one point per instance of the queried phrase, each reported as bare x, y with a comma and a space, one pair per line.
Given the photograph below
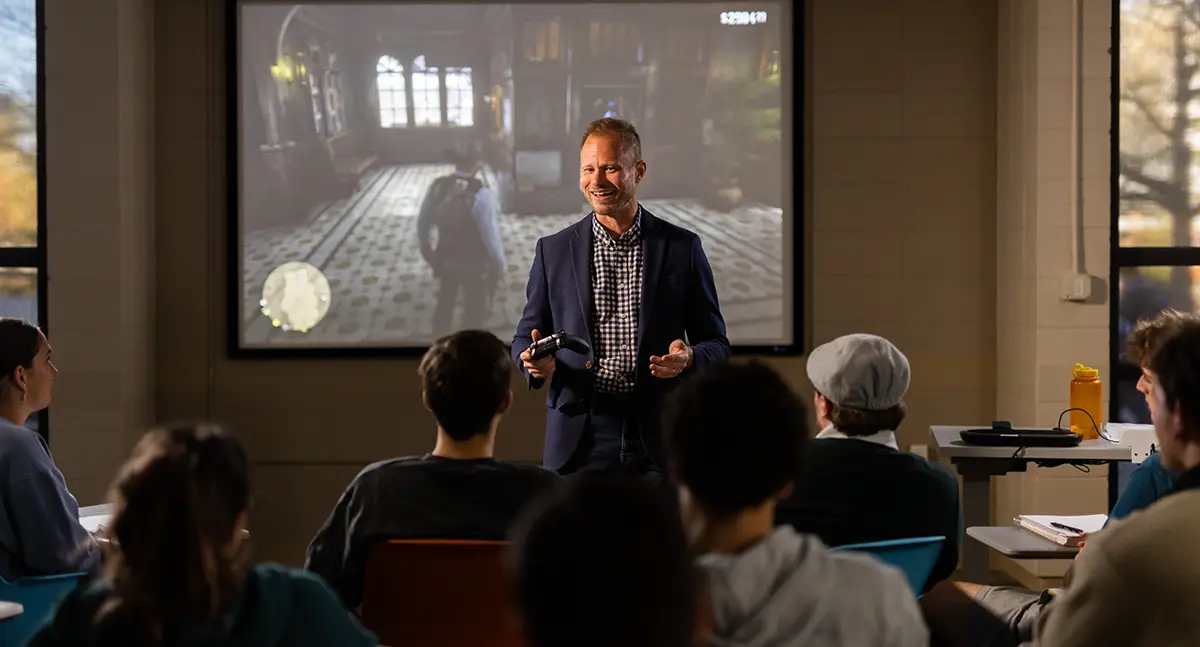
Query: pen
1062, 526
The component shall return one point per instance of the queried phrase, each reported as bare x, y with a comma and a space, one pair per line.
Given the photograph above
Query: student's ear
506, 403
786, 491
425, 400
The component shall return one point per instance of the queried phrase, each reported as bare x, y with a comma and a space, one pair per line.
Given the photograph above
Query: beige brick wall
100, 234
1041, 336
917, 219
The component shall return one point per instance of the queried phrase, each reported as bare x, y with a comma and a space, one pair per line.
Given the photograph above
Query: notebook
1042, 525
95, 518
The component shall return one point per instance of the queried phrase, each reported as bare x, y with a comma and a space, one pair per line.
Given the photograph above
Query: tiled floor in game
383, 292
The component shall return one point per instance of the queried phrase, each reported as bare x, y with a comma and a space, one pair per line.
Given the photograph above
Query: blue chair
915, 556
39, 596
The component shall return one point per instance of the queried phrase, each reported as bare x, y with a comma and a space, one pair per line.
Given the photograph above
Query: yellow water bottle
1087, 393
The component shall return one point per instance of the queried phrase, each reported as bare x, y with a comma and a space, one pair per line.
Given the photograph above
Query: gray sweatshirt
790, 590
39, 519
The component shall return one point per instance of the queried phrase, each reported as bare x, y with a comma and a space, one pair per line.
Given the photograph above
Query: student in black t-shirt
856, 485
459, 491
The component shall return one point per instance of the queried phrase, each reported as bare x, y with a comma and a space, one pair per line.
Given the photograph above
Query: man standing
634, 286
469, 256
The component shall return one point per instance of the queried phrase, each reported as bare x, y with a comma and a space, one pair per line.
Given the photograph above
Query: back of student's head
1176, 366
175, 535
466, 378
734, 436
1148, 335
603, 561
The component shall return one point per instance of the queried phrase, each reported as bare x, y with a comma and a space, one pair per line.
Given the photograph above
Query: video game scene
370, 136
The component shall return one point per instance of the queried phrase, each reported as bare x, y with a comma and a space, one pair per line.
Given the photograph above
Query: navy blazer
679, 301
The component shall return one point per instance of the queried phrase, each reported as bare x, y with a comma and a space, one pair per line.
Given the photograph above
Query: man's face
608, 174
1168, 427
1145, 384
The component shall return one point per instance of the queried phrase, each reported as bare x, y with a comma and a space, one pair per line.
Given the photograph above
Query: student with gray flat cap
856, 485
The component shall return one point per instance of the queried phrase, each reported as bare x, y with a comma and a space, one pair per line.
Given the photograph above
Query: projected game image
397, 163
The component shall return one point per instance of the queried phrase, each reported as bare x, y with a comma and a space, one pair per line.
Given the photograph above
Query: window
426, 94
314, 88
540, 40
22, 227
460, 97
1156, 257
614, 41
333, 102
393, 103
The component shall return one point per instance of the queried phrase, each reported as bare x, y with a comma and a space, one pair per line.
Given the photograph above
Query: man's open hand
542, 368
678, 358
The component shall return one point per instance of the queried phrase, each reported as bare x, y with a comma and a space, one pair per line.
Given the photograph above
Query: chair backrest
443, 593
914, 556
39, 596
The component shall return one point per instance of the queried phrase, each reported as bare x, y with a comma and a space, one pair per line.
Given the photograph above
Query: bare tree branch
1144, 108
1156, 190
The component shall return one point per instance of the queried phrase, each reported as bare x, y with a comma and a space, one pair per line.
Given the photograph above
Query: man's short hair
1148, 336
734, 435
466, 377
467, 156
604, 561
1176, 366
863, 422
617, 129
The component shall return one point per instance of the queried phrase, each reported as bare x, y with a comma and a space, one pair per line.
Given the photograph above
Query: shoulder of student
22, 451
1149, 545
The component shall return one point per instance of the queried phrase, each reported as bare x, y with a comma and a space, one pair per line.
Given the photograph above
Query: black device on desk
1002, 434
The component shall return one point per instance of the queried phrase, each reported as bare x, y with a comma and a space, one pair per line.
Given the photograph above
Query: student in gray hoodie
734, 436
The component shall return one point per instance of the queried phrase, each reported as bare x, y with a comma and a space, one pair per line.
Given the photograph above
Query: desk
977, 465
1019, 543
10, 610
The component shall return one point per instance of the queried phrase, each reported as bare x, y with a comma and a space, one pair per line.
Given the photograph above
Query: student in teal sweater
174, 574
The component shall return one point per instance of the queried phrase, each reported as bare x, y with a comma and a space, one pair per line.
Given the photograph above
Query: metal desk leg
977, 511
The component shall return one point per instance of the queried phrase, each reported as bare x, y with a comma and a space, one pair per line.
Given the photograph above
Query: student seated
856, 485
604, 562
39, 519
735, 435
459, 491
1137, 582
1150, 481
1019, 607
174, 572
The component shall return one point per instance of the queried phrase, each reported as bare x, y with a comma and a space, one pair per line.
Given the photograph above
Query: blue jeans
612, 440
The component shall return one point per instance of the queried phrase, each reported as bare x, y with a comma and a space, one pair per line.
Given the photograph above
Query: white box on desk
1138, 437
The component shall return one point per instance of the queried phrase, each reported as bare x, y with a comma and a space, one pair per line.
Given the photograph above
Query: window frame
34, 257
439, 110
457, 93
1122, 258
402, 92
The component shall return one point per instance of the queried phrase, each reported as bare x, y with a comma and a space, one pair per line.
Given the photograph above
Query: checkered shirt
616, 299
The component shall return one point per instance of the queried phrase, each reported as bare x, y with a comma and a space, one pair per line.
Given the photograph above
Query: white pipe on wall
1076, 127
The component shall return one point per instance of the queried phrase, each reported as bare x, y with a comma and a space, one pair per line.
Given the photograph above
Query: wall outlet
1076, 287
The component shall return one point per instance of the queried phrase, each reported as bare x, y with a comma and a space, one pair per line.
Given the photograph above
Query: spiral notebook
1043, 526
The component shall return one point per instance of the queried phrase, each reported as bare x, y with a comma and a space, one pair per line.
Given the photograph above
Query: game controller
547, 346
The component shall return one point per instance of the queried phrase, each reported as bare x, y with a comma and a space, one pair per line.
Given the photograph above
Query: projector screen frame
794, 185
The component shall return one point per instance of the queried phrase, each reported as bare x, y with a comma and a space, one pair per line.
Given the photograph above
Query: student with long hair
174, 572
39, 519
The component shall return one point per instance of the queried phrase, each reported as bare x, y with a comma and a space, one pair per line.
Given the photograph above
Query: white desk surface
950, 445
1019, 543
10, 610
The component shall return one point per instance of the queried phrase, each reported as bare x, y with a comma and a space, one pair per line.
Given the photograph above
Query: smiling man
640, 291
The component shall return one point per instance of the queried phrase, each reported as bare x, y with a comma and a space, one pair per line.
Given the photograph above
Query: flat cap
860, 371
